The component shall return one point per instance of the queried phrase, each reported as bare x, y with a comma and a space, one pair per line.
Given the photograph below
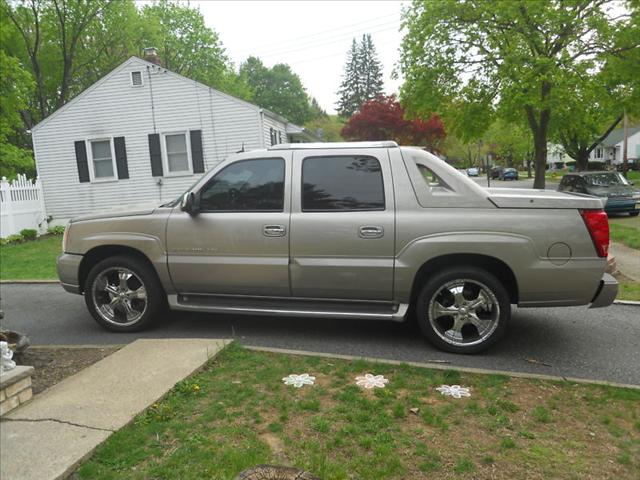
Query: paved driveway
602, 344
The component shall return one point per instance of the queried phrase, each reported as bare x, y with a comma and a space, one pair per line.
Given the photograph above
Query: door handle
274, 231
370, 231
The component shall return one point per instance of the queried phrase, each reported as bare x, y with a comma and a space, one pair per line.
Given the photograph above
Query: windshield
606, 179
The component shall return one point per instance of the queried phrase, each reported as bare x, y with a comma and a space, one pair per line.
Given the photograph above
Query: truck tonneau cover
529, 198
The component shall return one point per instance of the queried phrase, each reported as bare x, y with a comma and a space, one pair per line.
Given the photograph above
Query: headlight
65, 237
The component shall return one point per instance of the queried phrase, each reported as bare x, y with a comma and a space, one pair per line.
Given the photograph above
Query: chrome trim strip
397, 316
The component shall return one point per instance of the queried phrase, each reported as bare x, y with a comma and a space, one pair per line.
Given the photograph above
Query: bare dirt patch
53, 364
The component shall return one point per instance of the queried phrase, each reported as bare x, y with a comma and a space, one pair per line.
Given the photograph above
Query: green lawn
626, 230
32, 260
628, 290
237, 413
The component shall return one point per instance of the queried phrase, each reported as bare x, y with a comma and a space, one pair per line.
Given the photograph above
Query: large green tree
362, 79
280, 90
188, 47
520, 59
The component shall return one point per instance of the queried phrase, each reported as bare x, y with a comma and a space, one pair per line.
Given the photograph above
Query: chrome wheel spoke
111, 289
480, 324
138, 294
442, 311
123, 277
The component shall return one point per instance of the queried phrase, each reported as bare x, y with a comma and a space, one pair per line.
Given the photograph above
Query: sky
313, 37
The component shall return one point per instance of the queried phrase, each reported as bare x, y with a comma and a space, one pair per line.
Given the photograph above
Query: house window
136, 79
102, 159
177, 153
598, 152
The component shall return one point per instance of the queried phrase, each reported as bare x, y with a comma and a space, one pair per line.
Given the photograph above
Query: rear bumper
68, 269
606, 293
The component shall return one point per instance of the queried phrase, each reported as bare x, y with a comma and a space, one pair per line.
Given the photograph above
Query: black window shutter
81, 160
121, 157
155, 154
197, 157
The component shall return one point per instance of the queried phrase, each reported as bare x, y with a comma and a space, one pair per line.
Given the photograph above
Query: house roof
132, 59
616, 136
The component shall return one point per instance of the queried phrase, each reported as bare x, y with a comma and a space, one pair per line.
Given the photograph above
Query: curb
10, 282
439, 366
627, 302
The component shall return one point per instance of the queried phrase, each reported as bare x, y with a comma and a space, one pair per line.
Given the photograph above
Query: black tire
437, 283
633, 214
146, 276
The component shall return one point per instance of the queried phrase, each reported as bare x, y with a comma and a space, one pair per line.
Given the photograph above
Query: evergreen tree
370, 68
350, 92
362, 78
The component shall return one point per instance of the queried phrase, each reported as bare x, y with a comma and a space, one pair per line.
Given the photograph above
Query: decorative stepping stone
371, 381
455, 391
299, 380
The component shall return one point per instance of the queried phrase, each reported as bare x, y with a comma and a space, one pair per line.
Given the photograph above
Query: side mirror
191, 203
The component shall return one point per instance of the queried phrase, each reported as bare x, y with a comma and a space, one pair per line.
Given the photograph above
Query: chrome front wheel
120, 296
123, 293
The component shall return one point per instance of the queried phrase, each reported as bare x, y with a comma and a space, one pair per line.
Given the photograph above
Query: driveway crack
64, 422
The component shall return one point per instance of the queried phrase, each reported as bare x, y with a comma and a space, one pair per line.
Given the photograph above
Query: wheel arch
101, 252
491, 264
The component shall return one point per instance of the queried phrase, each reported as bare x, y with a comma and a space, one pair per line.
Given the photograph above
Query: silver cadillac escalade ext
347, 230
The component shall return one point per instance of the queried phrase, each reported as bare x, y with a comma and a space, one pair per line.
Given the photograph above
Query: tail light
597, 223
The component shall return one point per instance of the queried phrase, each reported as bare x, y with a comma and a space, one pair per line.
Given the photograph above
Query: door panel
227, 251
342, 250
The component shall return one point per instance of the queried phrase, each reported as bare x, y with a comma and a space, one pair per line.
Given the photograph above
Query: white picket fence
21, 206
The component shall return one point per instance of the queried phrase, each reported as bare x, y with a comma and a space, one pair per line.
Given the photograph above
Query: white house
143, 133
557, 158
610, 149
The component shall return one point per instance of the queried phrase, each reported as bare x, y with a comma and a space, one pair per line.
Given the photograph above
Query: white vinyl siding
102, 165
274, 130
111, 108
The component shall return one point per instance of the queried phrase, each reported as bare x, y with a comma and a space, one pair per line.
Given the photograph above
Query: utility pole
625, 159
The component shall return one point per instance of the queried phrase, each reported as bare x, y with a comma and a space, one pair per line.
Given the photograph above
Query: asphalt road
601, 344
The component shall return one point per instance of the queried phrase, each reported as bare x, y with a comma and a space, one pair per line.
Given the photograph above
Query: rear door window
342, 183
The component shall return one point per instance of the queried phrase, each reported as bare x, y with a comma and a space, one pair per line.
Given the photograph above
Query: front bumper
607, 292
622, 205
68, 272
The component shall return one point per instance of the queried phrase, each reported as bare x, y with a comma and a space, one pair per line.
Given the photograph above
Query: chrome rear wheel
464, 312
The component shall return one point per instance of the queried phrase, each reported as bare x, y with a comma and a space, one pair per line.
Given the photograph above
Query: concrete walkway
627, 260
48, 438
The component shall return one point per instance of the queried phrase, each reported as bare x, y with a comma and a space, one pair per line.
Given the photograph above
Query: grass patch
236, 413
628, 289
627, 235
31, 260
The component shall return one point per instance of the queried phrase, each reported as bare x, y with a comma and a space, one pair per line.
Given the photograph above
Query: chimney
151, 55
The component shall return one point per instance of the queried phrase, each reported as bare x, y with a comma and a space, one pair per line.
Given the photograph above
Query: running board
288, 307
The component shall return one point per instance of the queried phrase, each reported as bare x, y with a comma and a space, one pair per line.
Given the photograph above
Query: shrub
57, 230
29, 233
17, 238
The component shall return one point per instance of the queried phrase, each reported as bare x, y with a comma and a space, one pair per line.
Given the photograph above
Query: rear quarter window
342, 183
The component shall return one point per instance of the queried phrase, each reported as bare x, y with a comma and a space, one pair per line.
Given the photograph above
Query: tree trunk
582, 160
540, 158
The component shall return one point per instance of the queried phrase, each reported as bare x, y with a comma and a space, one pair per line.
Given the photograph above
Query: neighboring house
143, 133
557, 158
609, 151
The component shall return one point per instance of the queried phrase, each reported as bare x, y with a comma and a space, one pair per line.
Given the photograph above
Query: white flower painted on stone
455, 391
371, 381
299, 380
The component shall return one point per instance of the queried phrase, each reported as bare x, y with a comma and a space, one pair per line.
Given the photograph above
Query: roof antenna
242, 149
